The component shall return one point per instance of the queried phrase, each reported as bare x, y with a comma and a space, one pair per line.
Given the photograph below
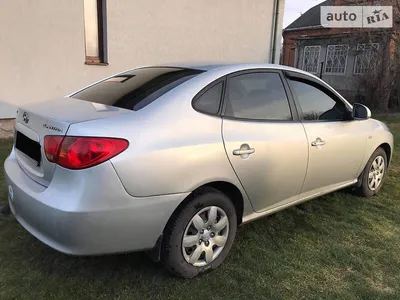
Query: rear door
336, 142
264, 140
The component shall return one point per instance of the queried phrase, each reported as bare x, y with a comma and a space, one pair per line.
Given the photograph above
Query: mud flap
155, 253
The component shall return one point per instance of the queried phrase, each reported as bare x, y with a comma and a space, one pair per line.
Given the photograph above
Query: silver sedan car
172, 159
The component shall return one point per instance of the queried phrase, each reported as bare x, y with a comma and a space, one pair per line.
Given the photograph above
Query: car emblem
25, 116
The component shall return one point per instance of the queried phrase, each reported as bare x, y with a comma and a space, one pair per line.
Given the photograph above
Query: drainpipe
322, 68
275, 34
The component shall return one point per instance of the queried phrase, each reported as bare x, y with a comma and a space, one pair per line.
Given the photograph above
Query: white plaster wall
42, 41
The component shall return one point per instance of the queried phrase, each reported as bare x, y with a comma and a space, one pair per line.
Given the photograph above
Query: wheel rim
205, 236
376, 172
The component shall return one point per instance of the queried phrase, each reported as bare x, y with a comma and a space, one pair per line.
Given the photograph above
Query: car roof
233, 67
221, 69
218, 70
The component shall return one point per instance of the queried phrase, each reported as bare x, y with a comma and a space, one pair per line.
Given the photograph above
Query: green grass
335, 247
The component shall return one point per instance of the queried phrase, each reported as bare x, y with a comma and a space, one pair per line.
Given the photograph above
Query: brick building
340, 56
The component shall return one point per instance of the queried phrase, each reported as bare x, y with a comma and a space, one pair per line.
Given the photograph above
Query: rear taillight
73, 152
51, 145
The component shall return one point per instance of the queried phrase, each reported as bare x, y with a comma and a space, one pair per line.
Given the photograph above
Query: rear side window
138, 88
210, 100
257, 96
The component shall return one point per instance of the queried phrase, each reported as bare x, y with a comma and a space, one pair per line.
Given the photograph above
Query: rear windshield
136, 89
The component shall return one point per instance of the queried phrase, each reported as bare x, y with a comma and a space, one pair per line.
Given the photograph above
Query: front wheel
200, 234
374, 174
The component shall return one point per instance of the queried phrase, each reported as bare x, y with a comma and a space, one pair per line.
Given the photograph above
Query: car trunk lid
34, 122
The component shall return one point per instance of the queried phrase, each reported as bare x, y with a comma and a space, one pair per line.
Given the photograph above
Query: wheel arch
227, 188
388, 150
233, 193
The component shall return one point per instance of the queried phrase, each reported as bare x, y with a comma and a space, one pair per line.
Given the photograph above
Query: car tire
367, 188
185, 225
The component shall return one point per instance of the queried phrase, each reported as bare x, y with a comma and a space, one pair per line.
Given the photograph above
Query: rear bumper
87, 212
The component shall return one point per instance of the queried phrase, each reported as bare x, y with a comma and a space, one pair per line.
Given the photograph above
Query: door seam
308, 159
230, 163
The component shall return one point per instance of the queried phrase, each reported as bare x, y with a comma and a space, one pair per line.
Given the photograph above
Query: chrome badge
25, 117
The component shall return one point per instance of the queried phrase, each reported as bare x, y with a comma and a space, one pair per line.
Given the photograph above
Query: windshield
137, 88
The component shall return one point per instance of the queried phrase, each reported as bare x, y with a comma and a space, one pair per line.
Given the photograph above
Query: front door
266, 146
336, 142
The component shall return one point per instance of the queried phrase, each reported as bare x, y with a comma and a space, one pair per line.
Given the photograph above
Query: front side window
311, 58
366, 58
257, 96
336, 59
318, 105
137, 88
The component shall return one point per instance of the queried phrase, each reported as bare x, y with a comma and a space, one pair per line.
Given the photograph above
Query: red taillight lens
52, 144
82, 152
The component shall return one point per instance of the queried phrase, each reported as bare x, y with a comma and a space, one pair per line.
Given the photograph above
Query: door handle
318, 142
243, 152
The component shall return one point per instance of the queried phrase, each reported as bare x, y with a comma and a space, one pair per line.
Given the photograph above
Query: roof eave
303, 28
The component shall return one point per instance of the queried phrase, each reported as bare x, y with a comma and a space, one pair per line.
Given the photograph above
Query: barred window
336, 59
366, 58
311, 58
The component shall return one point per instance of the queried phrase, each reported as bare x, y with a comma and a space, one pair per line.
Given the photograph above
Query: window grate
311, 58
366, 59
336, 59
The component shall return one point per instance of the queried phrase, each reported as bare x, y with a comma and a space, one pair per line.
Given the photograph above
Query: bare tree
377, 52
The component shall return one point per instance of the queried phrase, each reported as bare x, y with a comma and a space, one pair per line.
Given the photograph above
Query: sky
294, 8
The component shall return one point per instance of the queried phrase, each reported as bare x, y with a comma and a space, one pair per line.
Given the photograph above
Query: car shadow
279, 228
102, 266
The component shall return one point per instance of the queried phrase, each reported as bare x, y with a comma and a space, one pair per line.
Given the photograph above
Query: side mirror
361, 112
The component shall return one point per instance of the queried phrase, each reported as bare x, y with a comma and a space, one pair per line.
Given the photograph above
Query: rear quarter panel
173, 149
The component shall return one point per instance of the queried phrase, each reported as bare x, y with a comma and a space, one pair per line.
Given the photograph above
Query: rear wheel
374, 174
200, 234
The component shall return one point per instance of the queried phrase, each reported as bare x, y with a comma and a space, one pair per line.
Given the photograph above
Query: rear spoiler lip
112, 75
127, 70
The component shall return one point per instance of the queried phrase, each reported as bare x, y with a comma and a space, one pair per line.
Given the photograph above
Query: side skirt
254, 216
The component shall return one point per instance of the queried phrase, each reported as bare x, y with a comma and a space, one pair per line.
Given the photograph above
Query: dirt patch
6, 128
378, 285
